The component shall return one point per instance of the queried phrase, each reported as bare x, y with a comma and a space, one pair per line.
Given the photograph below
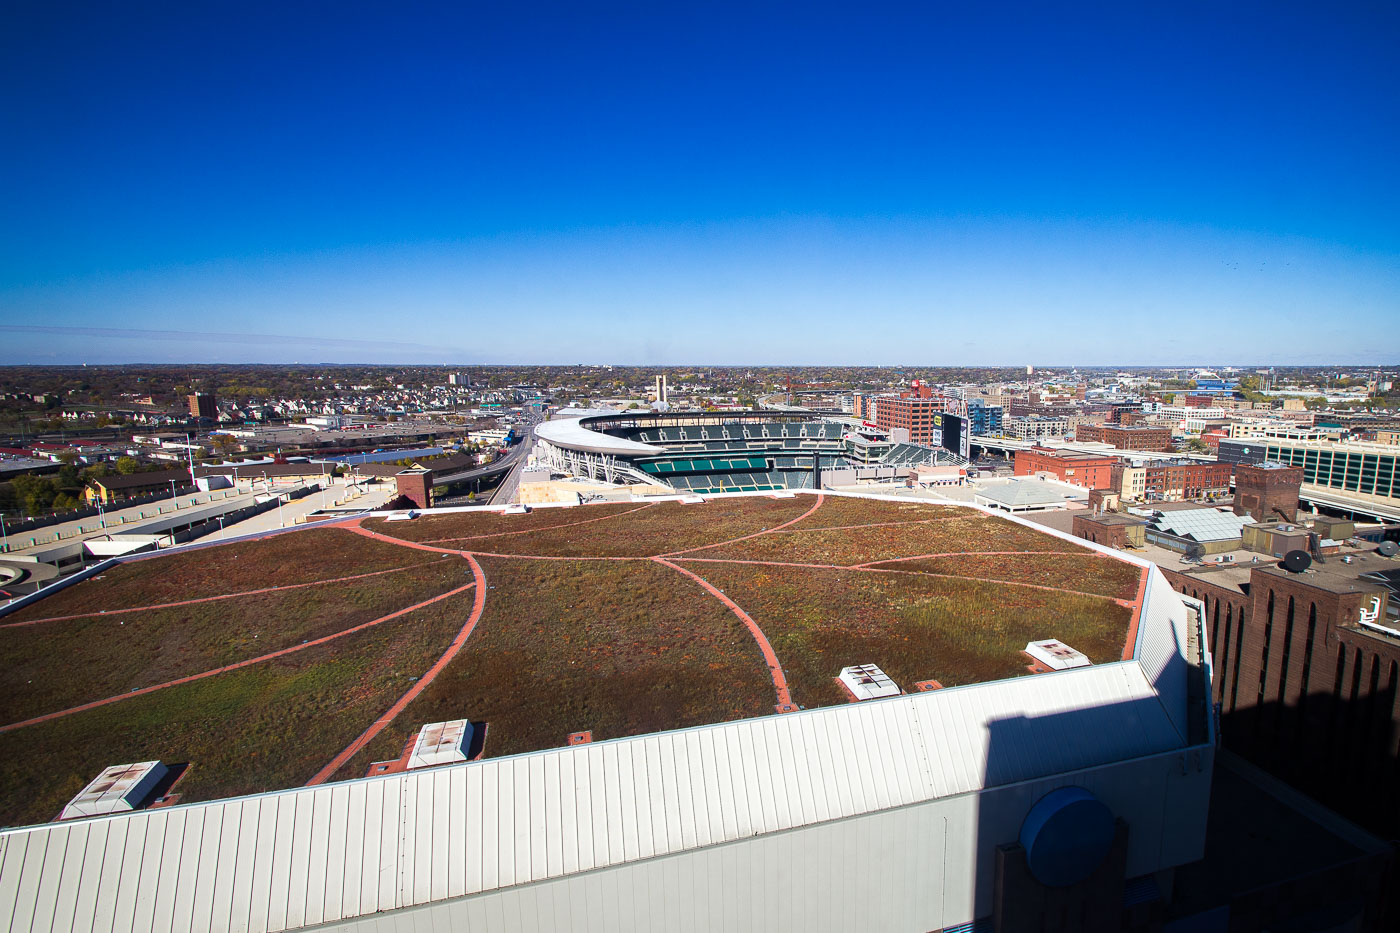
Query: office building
984, 419
203, 405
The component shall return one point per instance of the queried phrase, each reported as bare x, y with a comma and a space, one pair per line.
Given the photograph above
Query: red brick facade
1267, 492
1126, 437
417, 487
1087, 470
918, 416
1304, 692
1173, 482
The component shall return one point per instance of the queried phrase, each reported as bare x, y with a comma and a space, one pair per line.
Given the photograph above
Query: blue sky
656, 183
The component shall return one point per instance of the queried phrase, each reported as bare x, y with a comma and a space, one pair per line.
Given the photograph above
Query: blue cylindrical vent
1066, 836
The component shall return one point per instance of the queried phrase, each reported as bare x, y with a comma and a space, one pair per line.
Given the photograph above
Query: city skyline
1099, 187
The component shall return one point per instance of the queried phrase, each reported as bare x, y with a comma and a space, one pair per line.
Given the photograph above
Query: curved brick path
210, 599
478, 607
821, 497
527, 531
785, 704
244, 663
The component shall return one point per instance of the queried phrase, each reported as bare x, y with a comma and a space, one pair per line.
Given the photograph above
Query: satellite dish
1388, 548
1297, 561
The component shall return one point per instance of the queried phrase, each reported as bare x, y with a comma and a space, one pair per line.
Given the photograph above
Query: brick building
1117, 531
921, 417
1178, 480
1091, 471
1267, 490
415, 489
1306, 689
1126, 437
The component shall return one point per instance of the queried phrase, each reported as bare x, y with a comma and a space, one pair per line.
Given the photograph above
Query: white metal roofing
284, 860
570, 433
1201, 524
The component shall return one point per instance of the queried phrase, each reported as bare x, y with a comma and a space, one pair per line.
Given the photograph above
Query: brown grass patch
661, 528
117, 654
261, 728
427, 528
296, 557
1101, 575
616, 648
915, 628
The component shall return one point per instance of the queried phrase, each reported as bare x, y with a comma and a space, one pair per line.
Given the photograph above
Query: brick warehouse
1304, 690
1173, 481
1091, 471
1126, 437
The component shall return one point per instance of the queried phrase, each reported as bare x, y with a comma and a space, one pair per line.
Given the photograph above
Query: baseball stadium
714, 452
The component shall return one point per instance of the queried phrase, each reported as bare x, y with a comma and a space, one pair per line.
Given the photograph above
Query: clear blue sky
669, 183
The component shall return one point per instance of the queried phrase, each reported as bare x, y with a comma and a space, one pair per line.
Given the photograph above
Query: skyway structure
1010, 445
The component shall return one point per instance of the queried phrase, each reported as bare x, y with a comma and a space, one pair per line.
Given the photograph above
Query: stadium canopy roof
570, 434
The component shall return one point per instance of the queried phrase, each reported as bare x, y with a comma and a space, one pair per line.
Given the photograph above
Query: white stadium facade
946, 810
730, 451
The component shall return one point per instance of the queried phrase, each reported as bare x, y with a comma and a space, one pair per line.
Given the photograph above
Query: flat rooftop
266, 664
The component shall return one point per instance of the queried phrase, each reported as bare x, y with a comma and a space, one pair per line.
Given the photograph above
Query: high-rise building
661, 394
203, 405
984, 419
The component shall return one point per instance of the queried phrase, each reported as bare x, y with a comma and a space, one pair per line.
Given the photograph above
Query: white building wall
915, 868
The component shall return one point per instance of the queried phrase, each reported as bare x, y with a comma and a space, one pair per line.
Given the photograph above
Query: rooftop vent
1056, 655
518, 508
867, 682
441, 743
118, 789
